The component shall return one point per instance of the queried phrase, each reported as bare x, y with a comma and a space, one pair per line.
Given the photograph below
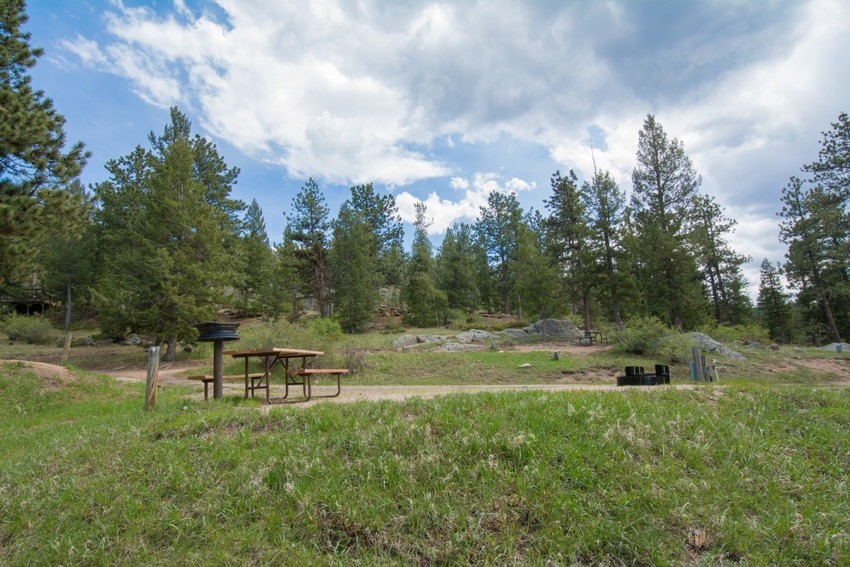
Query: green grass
623, 478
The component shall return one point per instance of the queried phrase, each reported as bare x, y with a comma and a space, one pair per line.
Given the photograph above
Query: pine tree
816, 228
537, 289
308, 229
354, 270
380, 213
721, 264
773, 304
424, 303
256, 264
665, 185
456, 263
569, 235
168, 232
604, 202
35, 171
498, 229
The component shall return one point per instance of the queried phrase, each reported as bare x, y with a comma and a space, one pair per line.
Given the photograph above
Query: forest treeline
160, 243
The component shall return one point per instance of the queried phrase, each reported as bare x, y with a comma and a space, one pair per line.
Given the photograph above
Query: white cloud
355, 92
445, 212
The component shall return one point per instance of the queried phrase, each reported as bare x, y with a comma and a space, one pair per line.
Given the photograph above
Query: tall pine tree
169, 228
424, 303
664, 188
309, 230
35, 168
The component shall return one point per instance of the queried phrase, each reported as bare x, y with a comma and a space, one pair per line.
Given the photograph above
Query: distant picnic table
593, 337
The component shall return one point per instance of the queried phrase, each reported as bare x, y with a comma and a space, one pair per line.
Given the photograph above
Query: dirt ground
174, 374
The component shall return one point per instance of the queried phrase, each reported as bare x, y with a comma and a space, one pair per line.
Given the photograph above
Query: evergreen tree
773, 303
308, 229
569, 234
354, 269
498, 228
816, 228
35, 170
813, 265
256, 260
167, 224
665, 185
721, 264
456, 273
381, 215
285, 283
537, 290
424, 303
604, 202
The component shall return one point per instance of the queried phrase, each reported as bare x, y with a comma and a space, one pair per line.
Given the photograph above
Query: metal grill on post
217, 333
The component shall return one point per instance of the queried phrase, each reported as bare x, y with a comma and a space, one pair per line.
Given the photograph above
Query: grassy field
752, 472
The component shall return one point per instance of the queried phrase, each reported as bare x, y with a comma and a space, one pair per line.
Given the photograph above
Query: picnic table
591, 337
271, 357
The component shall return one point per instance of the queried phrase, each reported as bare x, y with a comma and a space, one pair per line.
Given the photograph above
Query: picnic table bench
591, 337
208, 379
306, 375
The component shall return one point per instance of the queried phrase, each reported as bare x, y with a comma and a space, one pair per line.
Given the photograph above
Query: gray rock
475, 336
708, 344
431, 339
561, 328
460, 347
514, 333
774, 346
132, 340
837, 347
405, 340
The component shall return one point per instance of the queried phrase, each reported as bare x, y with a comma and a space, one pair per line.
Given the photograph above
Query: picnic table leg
246, 380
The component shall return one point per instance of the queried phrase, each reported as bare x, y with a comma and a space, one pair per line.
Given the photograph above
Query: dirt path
175, 374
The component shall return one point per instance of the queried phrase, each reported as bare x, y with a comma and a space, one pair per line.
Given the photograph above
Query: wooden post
153, 378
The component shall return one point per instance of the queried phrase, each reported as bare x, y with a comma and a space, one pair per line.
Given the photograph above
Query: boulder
708, 344
561, 328
475, 336
405, 340
514, 333
459, 347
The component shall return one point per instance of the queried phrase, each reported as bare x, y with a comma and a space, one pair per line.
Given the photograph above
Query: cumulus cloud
356, 92
474, 193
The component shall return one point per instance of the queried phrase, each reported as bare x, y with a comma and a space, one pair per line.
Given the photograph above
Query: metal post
218, 363
697, 366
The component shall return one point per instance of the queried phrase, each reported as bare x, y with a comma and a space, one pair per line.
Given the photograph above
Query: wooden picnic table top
276, 352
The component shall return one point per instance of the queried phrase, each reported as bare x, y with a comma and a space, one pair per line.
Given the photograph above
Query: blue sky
446, 101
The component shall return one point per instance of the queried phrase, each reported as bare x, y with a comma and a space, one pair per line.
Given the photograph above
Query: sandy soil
175, 374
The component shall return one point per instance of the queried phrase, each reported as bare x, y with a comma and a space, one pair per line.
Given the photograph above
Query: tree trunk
585, 305
612, 282
66, 348
833, 328
171, 350
714, 295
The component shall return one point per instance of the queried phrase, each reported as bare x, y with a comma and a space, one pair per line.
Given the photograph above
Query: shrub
675, 348
642, 335
33, 329
318, 334
326, 328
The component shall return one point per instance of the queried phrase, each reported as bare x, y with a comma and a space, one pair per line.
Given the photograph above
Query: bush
642, 335
675, 348
33, 329
325, 328
318, 334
